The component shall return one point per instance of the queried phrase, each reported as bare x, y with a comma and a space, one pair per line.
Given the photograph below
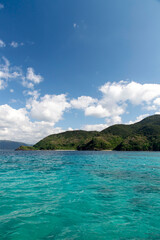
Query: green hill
140, 136
69, 140
96, 143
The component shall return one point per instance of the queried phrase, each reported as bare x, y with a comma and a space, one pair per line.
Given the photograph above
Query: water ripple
79, 195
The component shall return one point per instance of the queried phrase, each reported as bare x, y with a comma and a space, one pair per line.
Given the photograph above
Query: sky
77, 64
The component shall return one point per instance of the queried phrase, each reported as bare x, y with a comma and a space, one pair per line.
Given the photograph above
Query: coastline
63, 150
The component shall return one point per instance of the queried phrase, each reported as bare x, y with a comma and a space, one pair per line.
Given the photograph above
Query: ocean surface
47, 195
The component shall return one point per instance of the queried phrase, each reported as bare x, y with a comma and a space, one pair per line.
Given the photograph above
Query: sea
69, 195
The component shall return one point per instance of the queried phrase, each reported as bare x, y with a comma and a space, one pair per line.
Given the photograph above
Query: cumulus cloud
115, 99
38, 118
49, 108
117, 120
99, 127
134, 92
117, 96
2, 44
97, 111
82, 102
16, 125
122, 93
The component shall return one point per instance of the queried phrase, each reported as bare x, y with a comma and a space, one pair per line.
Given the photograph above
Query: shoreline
60, 150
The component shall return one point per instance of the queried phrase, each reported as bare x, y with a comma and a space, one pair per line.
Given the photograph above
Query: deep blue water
48, 195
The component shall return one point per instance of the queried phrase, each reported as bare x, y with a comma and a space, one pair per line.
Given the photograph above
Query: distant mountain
5, 144
140, 136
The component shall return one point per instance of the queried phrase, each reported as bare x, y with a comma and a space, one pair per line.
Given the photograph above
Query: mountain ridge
8, 144
140, 136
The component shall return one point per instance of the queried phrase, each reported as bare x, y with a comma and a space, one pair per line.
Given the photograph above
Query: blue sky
77, 64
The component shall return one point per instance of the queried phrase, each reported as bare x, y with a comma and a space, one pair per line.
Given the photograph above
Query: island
140, 136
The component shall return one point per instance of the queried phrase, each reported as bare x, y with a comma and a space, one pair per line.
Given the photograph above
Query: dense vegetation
69, 140
141, 136
26, 148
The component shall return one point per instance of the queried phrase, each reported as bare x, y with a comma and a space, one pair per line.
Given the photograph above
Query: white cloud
33, 94
99, 127
108, 106
116, 97
27, 84
11, 90
82, 102
133, 92
97, 111
16, 125
33, 77
116, 120
2, 44
49, 108
95, 127
157, 101
1, 6
70, 129
14, 44
8, 73
139, 118
103, 110
40, 114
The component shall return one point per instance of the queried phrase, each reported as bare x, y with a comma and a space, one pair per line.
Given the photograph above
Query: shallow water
48, 195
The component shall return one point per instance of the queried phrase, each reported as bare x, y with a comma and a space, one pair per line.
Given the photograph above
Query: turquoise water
48, 195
